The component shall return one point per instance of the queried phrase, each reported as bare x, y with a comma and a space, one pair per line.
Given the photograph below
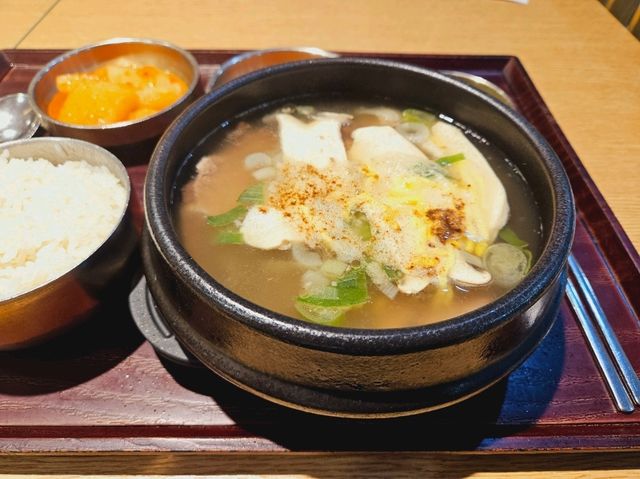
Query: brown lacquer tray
103, 388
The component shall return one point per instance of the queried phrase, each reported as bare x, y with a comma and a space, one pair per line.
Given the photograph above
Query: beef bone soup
353, 215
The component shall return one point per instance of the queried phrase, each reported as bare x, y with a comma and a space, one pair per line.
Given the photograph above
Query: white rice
52, 217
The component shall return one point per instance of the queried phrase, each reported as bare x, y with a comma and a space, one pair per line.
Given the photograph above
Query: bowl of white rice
66, 235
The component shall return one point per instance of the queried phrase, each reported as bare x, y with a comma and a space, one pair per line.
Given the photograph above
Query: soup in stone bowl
356, 237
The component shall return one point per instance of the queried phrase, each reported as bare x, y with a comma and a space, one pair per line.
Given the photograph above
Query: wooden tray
102, 387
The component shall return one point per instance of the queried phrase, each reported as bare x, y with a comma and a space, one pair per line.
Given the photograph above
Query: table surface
584, 63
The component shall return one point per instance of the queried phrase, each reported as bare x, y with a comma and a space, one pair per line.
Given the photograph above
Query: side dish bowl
254, 60
143, 51
50, 308
356, 372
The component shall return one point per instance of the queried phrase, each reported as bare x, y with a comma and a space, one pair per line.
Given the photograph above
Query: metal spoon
483, 85
17, 119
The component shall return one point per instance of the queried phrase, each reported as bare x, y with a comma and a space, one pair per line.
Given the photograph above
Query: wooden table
585, 64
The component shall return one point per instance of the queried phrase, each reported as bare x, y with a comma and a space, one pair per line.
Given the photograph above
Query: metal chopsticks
621, 397
625, 386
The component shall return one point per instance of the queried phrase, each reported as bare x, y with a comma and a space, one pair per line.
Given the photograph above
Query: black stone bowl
355, 372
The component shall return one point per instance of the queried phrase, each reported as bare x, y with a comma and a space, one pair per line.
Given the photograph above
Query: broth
270, 277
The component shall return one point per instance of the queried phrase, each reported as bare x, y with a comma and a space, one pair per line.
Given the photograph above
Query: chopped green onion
361, 226
227, 218
507, 264
529, 256
419, 116
230, 237
327, 297
352, 286
392, 273
507, 235
354, 278
319, 314
252, 195
349, 290
448, 160
429, 170
328, 293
